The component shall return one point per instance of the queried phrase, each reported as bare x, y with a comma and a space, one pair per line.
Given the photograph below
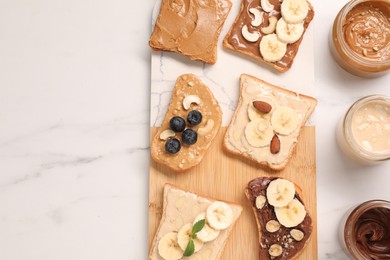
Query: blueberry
172, 145
177, 124
189, 136
194, 117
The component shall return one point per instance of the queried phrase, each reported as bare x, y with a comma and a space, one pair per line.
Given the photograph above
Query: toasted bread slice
235, 41
189, 94
182, 207
261, 148
191, 28
291, 244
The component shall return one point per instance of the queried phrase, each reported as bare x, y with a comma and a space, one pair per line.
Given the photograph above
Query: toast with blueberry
191, 123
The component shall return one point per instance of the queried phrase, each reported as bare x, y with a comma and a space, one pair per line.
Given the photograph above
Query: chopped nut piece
272, 226
297, 234
275, 250
260, 201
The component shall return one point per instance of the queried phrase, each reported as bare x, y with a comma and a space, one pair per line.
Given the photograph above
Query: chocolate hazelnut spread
367, 30
190, 27
237, 41
366, 233
290, 246
372, 231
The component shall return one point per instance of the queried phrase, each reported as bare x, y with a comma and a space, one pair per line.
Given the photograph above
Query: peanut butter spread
190, 27
254, 89
188, 86
366, 30
180, 208
236, 40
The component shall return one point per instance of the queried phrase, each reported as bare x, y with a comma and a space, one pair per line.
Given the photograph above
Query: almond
275, 145
262, 106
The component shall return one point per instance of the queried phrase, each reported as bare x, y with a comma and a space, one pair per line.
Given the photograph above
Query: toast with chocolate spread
283, 222
191, 123
267, 122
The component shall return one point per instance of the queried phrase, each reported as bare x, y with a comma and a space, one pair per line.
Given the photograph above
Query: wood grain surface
223, 176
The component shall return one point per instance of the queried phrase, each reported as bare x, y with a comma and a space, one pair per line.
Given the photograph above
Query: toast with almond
267, 122
270, 31
192, 226
191, 123
283, 223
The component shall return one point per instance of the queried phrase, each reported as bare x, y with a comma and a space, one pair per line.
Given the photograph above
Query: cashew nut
258, 16
166, 134
271, 27
267, 6
250, 37
207, 128
188, 100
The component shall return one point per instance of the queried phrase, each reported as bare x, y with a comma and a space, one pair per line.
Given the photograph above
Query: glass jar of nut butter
364, 132
360, 37
365, 231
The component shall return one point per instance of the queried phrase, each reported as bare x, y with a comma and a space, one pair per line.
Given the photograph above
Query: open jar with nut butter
365, 231
360, 37
364, 132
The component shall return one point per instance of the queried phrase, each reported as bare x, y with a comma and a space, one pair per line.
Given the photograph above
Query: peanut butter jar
363, 133
360, 37
365, 231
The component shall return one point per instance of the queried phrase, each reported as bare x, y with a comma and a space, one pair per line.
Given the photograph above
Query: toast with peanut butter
283, 223
267, 122
270, 31
191, 28
191, 123
192, 226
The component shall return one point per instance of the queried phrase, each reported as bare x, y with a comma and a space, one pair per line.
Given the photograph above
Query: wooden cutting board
223, 176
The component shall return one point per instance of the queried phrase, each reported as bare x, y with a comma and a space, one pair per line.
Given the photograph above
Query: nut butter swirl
366, 30
372, 232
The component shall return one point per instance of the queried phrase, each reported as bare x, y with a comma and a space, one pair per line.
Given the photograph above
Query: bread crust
254, 209
210, 110
169, 186
266, 164
258, 58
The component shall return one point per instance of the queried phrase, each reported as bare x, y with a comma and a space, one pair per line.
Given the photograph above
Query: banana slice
219, 215
259, 132
183, 237
291, 215
271, 48
280, 192
284, 120
253, 113
289, 32
168, 248
294, 11
207, 233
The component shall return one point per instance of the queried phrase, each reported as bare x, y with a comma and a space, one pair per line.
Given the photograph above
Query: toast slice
276, 240
191, 28
181, 208
268, 133
189, 94
235, 40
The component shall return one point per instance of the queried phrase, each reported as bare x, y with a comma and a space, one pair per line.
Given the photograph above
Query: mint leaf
190, 249
198, 226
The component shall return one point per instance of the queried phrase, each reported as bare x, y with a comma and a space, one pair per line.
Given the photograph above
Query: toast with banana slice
267, 122
283, 223
193, 226
270, 31
192, 121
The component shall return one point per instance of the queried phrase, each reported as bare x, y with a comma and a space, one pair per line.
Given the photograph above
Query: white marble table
74, 130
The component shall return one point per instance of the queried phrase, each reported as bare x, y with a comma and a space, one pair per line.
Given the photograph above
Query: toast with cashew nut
267, 122
270, 31
192, 121
283, 222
